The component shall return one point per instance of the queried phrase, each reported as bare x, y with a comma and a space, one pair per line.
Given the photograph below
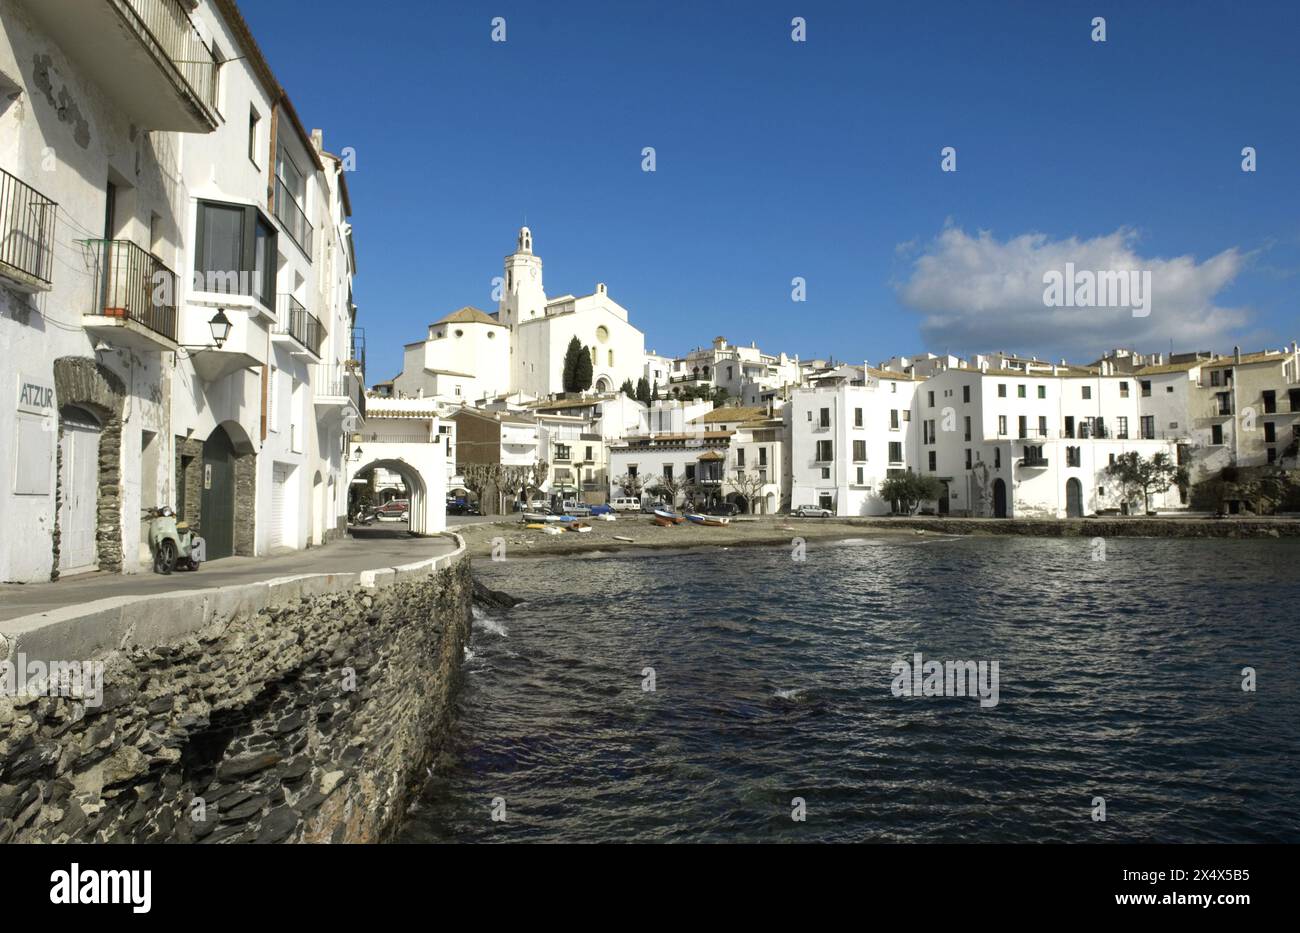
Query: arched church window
611, 357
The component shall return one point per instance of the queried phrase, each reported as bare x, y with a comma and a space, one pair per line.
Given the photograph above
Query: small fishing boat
715, 520
536, 525
579, 527
663, 522
536, 516
669, 515
552, 530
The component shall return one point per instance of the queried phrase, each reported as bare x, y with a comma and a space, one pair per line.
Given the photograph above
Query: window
1087, 391
931, 398
965, 394
1225, 402
740, 458
933, 460
860, 474
1002, 390
1148, 427
610, 355
1069, 425
1270, 432
291, 201
690, 472
1215, 377
1272, 455
927, 431
997, 458
1121, 427
1002, 425
824, 451
857, 417
1042, 426
589, 457
893, 419
1042, 391
235, 251
860, 450
967, 427
1294, 396
1123, 388
968, 458
825, 501
895, 452
1146, 387
253, 120
1020, 390
668, 472
826, 473
1022, 425
1216, 434
825, 418
1072, 457
762, 456
561, 451
1270, 402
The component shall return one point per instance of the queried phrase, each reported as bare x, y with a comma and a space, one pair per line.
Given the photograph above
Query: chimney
1236, 354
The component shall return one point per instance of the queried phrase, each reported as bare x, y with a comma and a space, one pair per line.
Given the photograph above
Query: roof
729, 414
497, 416
711, 455
468, 315
542, 404
447, 372
1168, 368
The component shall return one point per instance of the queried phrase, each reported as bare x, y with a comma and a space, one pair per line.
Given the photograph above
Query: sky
821, 160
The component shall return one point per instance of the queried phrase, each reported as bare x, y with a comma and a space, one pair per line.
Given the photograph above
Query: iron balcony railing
298, 323
170, 27
340, 382
292, 216
133, 284
26, 229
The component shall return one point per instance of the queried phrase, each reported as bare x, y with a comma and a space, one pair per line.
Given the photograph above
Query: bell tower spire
523, 297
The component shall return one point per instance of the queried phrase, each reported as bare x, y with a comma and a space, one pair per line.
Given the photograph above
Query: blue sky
819, 159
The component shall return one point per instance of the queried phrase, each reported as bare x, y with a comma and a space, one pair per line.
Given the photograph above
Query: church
471, 355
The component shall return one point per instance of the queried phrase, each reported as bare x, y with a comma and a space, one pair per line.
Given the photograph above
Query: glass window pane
222, 247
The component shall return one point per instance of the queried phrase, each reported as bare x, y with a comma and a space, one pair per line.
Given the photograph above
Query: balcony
1034, 462
339, 387
298, 328
292, 218
146, 55
134, 298
26, 235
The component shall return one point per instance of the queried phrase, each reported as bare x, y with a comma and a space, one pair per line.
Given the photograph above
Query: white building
846, 437
464, 357
138, 142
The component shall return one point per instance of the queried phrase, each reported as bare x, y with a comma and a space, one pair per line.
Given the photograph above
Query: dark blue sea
1118, 679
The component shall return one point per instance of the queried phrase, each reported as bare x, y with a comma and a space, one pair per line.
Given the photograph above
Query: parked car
626, 504
651, 504
395, 509
723, 508
811, 511
601, 509
573, 507
463, 508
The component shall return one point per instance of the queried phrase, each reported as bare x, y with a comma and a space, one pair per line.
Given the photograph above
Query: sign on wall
35, 430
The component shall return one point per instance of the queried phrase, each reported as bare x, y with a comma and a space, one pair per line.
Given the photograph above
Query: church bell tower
522, 297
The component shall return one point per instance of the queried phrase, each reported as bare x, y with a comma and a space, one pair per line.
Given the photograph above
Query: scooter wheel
194, 565
165, 562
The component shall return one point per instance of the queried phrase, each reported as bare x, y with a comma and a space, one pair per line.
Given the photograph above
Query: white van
626, 504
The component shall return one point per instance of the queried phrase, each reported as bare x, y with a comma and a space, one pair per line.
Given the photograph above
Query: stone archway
190, 475
81, 382
417, 493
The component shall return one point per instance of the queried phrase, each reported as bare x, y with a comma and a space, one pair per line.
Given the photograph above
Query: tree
631, 484
1138, 475
476, 479
750, 483
571, 355
720, 396
666, 488
654, 390
627, 389
540, 470
583, 370
908, 490
643, 391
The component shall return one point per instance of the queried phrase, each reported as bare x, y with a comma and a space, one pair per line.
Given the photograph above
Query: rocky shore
635, 532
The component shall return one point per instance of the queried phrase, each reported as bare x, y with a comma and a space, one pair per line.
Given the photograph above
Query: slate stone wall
312, 721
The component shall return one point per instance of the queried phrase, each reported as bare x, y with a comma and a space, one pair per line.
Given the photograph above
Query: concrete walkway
368, 548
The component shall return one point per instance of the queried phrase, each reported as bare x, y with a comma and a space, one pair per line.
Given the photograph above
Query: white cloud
977, 293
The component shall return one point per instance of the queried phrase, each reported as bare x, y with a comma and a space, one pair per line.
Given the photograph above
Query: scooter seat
182, 526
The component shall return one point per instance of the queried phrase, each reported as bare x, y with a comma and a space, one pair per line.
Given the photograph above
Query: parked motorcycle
173, 544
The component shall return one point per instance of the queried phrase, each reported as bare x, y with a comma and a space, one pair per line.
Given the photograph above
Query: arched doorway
217, 500
79, 441
416, 490
999, 498
317, 509
944, 506
1073, 498
602, 384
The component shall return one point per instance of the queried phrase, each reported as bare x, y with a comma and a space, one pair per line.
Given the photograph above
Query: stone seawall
302, 710
1097, 527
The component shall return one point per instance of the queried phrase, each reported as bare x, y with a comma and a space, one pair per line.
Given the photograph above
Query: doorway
79, 488
217, 506
999, 498
1073, 498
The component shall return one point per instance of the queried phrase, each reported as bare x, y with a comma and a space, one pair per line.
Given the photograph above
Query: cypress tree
571, 361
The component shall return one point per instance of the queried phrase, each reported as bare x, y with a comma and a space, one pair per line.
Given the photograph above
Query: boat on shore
669, 516
536, 517
718, 521
663, 522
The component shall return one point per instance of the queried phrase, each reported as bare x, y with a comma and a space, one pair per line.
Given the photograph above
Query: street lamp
220, 327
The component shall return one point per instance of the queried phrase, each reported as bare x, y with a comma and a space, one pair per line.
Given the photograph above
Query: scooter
173, 544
